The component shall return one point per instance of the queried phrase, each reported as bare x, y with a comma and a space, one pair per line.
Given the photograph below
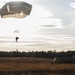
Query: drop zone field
34, 66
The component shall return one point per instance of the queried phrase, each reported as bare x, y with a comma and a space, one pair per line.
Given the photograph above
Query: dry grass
34, 66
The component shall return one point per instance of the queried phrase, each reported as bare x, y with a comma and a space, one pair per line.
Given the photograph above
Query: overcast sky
50, 26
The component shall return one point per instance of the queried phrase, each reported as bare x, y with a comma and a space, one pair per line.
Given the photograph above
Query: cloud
53, 23
49, 39
62, 39
48, 25
71, 17
72, 5
58, 39
40, 12
58, 42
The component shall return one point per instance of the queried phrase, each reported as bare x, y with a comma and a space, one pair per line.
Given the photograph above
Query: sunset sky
50, 26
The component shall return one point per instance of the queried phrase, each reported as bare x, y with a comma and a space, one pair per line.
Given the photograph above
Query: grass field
34, 66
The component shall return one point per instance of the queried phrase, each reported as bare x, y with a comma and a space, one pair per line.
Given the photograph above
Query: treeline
41, 54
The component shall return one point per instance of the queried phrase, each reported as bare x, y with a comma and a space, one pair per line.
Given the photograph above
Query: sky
50, 26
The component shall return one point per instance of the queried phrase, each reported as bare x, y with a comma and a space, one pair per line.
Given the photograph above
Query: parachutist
17, 38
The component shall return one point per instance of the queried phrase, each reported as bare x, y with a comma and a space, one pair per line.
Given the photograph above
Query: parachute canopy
16, 31
16, 9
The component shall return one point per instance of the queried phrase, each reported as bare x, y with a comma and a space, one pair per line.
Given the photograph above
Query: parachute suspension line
8, 9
